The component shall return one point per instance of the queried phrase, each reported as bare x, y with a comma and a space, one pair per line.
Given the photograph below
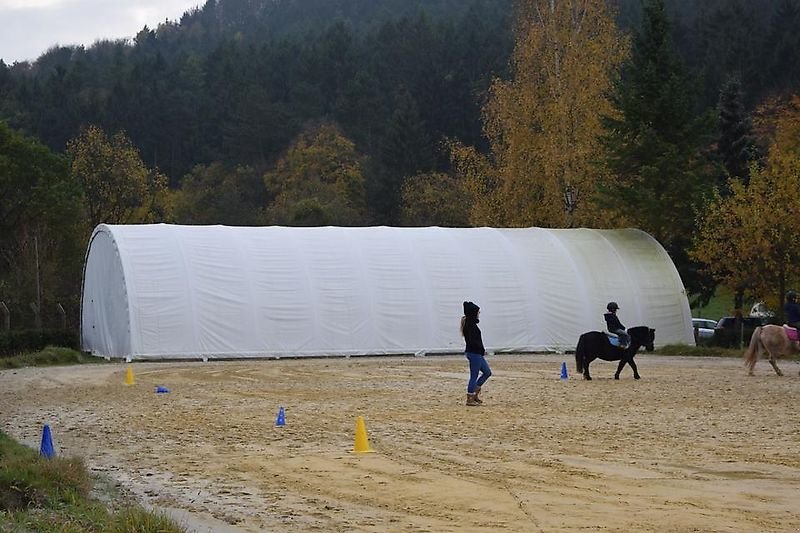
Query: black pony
595, 344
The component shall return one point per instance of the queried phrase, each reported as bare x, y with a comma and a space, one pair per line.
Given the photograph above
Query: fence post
37, 317
6, 317
63, 314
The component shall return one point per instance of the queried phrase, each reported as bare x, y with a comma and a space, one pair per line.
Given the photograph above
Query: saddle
613, 338
791, 333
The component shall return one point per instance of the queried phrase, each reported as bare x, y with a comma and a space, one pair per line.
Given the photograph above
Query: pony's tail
579, 355
751, 354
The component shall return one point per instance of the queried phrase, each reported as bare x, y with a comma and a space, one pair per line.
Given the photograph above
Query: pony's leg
774, 364
620, 366
635, 370
586, 375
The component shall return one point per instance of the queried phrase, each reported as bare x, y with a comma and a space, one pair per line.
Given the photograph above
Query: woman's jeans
477, 365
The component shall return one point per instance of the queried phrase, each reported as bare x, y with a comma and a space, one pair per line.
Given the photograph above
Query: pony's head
643, 336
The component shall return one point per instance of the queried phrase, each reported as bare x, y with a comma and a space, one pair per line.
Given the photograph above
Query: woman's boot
471, 399
477, 395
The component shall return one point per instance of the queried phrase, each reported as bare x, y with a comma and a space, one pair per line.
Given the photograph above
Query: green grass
720, 305
39, 494
50, 356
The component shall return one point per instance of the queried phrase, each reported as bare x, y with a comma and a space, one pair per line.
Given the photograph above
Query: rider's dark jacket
792, 310
613, 323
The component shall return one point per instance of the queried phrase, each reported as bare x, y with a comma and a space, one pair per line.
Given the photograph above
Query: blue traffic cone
160, 389
46, 449
280, 420
564, 370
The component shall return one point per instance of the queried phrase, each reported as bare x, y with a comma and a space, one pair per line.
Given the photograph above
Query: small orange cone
362, 442
129, 377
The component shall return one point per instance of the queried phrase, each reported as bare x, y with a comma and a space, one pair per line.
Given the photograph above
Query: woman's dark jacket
472, 337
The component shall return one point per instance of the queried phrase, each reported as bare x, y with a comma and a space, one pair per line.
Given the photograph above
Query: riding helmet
791, 295
612, 306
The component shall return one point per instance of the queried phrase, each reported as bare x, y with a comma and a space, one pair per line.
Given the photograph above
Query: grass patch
38, 494
49, 356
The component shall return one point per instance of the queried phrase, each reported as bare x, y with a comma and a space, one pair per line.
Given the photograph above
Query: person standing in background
475, 353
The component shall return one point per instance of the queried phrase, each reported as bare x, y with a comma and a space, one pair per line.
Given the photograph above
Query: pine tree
657, 145
736, 145
783, 46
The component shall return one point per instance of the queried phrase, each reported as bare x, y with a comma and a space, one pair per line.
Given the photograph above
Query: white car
704, 328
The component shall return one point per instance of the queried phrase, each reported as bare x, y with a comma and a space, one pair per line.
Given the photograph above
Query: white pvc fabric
166, 291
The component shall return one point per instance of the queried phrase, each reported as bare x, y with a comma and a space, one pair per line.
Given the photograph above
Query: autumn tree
544, 124
434, 199
318, 182
118, 188
749, 239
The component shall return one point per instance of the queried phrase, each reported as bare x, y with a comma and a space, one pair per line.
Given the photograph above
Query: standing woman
479, 370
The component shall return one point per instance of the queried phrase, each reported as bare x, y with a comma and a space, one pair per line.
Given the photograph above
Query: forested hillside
306, 112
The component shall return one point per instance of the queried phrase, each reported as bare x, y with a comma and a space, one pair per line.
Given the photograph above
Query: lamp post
570, 202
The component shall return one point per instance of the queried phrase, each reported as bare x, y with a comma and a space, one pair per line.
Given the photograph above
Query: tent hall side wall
105, 318
166, 291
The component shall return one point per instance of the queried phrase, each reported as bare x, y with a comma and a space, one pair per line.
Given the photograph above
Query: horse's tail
752, 352
579, 355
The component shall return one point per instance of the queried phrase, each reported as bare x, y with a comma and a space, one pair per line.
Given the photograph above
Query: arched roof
167, 291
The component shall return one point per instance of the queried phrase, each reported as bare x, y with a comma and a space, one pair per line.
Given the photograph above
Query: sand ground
696, 445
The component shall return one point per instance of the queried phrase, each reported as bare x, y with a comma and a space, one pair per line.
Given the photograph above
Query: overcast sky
30, 27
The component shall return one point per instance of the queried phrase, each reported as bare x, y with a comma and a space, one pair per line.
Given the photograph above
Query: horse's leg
774, 364
620, 366
632, 364
635, 370
586, 375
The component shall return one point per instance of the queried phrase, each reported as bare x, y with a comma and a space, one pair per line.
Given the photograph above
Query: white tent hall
163, 291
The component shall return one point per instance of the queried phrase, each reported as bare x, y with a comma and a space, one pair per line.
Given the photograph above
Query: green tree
42, 229
216, 194
544, 124
657, 147
736, 144
783, 46
118, 187
406, 150
318, 182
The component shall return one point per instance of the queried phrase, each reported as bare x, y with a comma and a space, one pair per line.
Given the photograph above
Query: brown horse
773, 340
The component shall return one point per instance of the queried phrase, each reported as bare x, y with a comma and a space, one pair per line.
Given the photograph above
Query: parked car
703, 330
731, 331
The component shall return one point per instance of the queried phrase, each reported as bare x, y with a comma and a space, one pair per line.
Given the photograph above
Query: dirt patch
696, 445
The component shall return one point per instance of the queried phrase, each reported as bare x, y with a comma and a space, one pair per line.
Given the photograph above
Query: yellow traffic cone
362, 442
129, 377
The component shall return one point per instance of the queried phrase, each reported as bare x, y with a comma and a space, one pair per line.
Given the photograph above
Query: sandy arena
696, 445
